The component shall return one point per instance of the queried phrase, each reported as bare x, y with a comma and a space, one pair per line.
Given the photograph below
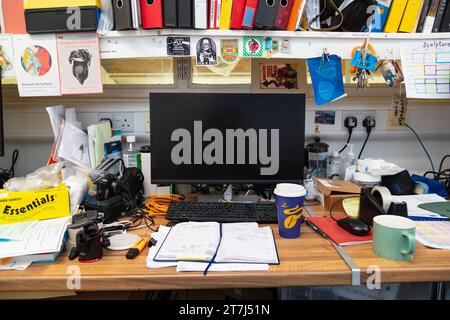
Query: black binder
170, 13
185, 14
266, 13
123, 16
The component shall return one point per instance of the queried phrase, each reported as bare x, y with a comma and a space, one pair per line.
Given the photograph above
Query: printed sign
206, 52
229, 50
253, 46
178, 46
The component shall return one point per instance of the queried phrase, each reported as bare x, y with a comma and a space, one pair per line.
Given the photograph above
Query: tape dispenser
378, 200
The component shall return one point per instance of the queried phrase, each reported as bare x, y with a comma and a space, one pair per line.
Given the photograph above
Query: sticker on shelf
178, 46
253, 46
229, 50
206, 52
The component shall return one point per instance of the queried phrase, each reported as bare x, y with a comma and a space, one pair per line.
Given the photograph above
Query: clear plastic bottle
131, 154
348, 165
334, 166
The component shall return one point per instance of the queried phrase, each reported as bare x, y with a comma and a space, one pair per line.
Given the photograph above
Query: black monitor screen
217, 138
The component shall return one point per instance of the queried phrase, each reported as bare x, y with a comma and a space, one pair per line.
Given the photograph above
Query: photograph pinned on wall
79, 63
278, 76
325, 117
229, 50
7, 56
206, 52
178, 46
36, 62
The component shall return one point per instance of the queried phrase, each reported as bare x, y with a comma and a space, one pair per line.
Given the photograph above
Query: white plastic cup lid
290, 190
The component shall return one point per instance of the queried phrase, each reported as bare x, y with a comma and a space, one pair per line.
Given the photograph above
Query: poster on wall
79, 63
7, 56
278, 76
36, 63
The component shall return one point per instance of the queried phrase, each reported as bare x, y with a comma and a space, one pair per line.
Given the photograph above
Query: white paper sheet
36, 61
426, 67
414, 200
45, 236
188, 266
433, 234
74, 145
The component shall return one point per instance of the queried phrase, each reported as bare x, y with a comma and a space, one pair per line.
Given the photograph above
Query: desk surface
307, 261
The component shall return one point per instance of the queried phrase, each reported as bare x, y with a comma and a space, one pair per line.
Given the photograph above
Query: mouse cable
423, 146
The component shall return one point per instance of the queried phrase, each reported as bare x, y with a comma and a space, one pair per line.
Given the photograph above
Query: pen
6, 240
137, 248
317, 230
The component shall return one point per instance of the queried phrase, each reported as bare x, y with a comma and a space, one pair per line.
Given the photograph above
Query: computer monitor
227, 138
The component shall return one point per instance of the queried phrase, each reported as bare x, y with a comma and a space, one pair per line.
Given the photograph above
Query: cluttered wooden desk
309, 260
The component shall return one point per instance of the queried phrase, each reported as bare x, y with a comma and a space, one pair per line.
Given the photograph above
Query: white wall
27, 126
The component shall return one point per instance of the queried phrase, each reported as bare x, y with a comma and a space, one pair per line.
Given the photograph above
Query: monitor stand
228, 197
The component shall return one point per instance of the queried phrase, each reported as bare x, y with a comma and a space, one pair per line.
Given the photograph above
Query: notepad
228, 242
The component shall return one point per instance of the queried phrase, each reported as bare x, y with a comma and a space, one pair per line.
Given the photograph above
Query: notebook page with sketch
246, 242
190, 241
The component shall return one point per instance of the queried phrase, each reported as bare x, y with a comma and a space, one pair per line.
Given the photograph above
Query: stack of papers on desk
27, 241
190, 246
413, 202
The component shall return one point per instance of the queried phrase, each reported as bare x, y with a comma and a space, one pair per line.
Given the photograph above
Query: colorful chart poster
7, 56
36, 61
426, 68
79, 63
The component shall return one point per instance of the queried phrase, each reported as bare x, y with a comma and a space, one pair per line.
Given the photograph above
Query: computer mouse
354, 226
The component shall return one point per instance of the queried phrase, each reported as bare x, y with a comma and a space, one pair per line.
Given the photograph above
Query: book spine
423, 16
395, 16
431, 16
445, 25
439, 16
410, 16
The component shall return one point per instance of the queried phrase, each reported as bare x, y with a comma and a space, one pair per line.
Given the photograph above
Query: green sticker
253, 46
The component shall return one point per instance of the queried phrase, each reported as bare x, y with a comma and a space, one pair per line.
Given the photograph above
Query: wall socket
120, 120
360, 116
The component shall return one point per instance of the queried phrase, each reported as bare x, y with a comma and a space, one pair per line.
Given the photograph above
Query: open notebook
226, 243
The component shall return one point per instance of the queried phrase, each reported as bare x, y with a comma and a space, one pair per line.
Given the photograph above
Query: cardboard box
335, 190
34, 205
59, 15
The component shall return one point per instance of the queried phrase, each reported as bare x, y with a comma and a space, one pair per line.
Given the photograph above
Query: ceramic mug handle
411, 243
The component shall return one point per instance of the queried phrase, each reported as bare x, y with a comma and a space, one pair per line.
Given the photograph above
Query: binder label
229, 50
178, 46
206, 52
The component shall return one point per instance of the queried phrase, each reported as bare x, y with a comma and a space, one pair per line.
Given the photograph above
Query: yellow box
39, 4
34, 205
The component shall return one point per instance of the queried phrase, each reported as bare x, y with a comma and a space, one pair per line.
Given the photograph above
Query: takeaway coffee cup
289, 198
394, 237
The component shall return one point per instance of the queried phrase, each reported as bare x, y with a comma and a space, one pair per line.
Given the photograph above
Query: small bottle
131, 154
348, 165
308, 183
334, 165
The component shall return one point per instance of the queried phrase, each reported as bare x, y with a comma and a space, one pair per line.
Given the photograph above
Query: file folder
296, 14
170, 13
201, 14
185, 9
266, 13
225, 14
283, 13
237, 14
122, 15
395, 16
214, 13
151, 12
248, 21
411, 16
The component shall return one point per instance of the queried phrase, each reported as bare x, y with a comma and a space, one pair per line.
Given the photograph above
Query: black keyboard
223, 212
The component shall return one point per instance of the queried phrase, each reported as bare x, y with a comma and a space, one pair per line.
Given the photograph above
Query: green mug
394, 237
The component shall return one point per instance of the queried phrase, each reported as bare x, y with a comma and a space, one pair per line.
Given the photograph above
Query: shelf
304, 44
